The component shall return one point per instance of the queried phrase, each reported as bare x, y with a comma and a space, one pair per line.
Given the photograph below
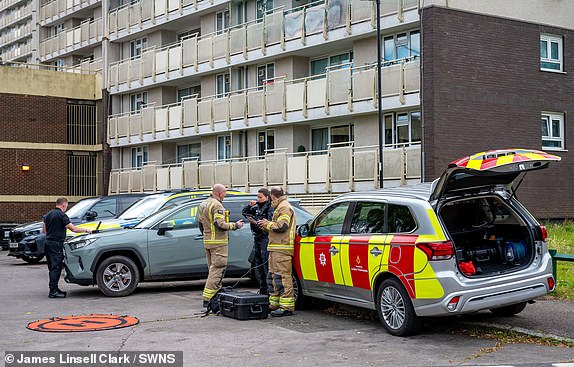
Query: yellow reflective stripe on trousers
287, 302
274, 301
278, 246
214, 242
208, 293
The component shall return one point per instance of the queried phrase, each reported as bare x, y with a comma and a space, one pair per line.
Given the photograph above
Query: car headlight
32, 232
80, 242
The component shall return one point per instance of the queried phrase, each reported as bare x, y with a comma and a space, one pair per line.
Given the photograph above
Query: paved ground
317, 337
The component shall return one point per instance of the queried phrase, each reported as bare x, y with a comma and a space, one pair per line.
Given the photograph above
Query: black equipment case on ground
243, 305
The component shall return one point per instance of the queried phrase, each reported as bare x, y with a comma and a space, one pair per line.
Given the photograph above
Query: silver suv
461, 244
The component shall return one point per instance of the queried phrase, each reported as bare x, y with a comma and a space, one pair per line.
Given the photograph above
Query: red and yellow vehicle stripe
494, 158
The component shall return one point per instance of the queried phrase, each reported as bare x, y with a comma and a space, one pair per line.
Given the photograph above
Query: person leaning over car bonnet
214, 225
281, 230
55, 224
257, 210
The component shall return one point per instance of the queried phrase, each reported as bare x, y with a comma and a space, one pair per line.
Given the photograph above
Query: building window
221, 21
59, 63
550, 53
138, 101
552, 130
188, 151
265, 73
403, 128
400, 46
223, 147
139, 157
189, 91
137, 46
188, 34
321, 138
265, 141
232, 145
222, 85
263, 7
320, 66
57, 29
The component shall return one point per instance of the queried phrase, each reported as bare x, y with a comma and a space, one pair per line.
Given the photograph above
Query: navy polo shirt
56, 221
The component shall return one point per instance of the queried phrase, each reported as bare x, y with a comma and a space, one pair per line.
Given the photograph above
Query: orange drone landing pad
94, 322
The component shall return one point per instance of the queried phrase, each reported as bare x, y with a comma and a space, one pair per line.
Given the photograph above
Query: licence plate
13, 245
6, 234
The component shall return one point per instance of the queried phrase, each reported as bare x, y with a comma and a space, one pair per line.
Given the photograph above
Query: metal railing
70, 69
52, 10
19, 51
278, 97
88, 33
341, 169
559, 257
16, 15
16, 34
276, 28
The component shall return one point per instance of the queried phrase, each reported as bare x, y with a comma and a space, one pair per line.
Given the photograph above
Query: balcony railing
87, 33
16, 34
16, 15
279, 97
276, 28
4, 4
55, 9
133, 17
341, 169
17, 52
87, 66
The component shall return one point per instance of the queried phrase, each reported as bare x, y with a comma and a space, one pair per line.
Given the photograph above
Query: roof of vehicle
419, 191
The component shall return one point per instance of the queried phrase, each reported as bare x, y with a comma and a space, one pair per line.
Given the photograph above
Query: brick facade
34, 119
482, 89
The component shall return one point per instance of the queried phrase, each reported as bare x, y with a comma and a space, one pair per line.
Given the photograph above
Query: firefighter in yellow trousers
214, 225
281, 230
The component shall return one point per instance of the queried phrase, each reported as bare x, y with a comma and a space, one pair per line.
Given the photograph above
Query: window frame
226, 84
550, 116
265, 135
396, 45
351, 136
549, 39
395, 124
137, 102
137, 46
267, 69
222, 21
330, 65
139, 152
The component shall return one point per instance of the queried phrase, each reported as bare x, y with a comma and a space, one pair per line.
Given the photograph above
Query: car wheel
117, 276
509, 310
32, 259
396, 309
301, 302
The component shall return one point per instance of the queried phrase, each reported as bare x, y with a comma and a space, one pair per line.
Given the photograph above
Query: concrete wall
482, 89
50, 83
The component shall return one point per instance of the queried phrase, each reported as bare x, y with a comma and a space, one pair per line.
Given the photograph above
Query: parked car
27, 240
461, 244
5, 228
165, 246
145, 207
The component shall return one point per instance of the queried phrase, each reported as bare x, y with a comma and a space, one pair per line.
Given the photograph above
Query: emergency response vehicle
460, 244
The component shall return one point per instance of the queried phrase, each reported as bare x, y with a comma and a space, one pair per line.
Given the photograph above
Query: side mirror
303, 230
91, 215
164, 227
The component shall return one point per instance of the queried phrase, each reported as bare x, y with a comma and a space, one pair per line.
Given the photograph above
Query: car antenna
514, 189
97, 228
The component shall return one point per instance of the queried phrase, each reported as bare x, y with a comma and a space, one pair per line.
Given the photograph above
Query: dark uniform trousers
260, 262
55, 256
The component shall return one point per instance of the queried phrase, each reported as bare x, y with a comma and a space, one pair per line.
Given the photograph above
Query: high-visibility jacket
214, 223
282, 227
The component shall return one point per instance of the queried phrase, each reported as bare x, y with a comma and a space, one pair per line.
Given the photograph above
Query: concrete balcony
16, 16
87, 34
5, 4
16, 34
56, 10
339, 92
19, 52
341, 168
279, 34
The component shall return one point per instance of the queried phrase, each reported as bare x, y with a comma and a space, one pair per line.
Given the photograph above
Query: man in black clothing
254, 211
55, 224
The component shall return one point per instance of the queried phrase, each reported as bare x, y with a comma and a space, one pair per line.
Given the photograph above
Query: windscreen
143, 208
80, 208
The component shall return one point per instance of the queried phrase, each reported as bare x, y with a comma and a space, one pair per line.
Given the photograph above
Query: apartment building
260, 92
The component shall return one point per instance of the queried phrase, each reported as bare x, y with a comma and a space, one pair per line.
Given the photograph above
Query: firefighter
214, 225
281, 230
254, 211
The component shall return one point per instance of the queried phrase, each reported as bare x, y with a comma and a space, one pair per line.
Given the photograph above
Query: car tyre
117, 276
32, 259
301, 302
508, 311
396, 310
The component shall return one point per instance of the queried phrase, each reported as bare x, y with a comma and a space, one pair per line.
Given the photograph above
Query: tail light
542, 233
437, 250
451, 306
551, 283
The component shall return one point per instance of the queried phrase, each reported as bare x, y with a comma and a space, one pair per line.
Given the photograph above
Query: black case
243, 305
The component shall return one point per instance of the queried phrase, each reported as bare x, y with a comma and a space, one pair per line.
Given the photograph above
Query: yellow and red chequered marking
93, 322
495, 158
